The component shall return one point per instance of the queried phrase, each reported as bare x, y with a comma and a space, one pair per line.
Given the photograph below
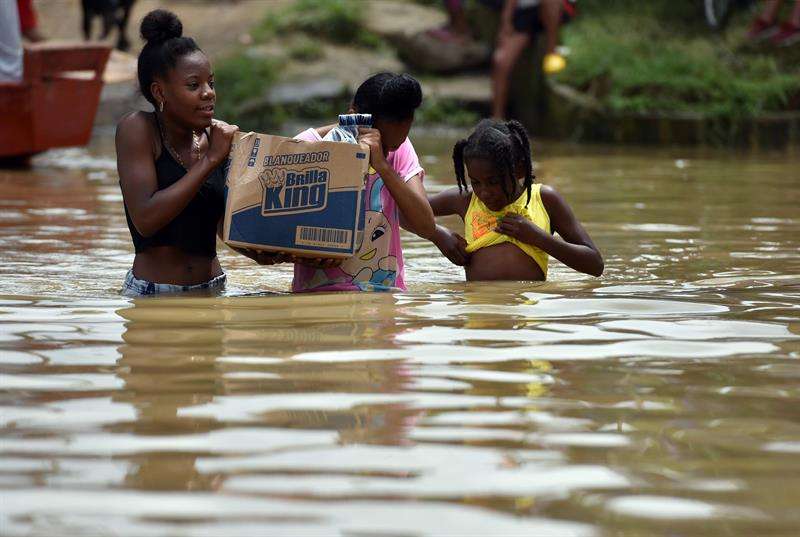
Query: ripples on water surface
663, 398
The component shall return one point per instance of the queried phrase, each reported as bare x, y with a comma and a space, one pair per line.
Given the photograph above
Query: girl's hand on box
220, 141
317, 262
264, 258
372, 139
271, 258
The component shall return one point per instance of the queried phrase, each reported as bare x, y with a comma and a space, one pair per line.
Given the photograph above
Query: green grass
337, 21
243, 83
304, 49
637, 61
445, 112
240, 78
243, 80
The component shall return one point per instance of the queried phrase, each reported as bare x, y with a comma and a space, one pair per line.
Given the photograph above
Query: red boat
55, 103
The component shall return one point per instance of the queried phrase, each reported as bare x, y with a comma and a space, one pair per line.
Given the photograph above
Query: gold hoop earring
161, 106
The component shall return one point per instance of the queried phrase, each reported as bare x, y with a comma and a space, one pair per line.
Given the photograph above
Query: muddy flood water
663, 398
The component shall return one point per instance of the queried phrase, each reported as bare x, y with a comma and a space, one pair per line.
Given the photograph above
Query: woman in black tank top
169, 164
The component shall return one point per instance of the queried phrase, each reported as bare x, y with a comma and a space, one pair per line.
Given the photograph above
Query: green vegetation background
659, 56
639, 56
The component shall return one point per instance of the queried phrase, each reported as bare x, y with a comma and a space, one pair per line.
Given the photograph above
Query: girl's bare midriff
167, 264
503, 261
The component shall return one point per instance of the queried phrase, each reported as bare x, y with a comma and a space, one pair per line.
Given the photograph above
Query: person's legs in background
509, 48
122, 41
513, 40
789, 33
458, 18
27, 21
457, 27
550, 15
764, 27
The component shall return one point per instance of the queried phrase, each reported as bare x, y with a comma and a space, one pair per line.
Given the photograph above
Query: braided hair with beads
503, 143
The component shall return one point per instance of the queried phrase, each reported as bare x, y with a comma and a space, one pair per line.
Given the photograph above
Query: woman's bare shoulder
136, 129
138, 125
135, 121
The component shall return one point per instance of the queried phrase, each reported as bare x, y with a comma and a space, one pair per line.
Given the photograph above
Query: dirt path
216, 25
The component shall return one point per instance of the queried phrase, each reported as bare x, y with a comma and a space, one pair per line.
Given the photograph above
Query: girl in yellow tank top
480, 224
510, 223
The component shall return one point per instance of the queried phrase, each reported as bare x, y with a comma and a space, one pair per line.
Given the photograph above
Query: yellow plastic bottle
553, 63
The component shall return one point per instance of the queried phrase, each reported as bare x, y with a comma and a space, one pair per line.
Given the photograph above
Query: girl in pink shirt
395, 194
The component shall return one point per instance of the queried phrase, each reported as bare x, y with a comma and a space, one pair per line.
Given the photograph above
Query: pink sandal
788, 35
761, 30
446, 35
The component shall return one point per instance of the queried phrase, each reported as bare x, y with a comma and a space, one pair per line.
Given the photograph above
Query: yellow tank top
480, 221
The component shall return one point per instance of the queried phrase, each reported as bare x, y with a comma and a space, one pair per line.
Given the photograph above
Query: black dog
112, 13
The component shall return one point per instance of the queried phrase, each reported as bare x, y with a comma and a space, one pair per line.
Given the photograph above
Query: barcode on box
322, 237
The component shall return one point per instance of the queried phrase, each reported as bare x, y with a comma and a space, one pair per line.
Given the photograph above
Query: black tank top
194, 230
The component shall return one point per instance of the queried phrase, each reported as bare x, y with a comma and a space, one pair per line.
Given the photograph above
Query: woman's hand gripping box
286, 195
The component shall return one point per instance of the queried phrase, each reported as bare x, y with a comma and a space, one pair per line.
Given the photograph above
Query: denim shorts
133, 286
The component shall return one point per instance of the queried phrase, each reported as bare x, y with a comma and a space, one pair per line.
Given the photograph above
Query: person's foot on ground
33, 35
761, 30
788, 35
447, 34
123, 44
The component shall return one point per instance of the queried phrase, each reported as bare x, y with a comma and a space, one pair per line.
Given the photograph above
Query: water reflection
663, 398
159, 379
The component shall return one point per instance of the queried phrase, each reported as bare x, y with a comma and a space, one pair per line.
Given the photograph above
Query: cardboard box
286, 195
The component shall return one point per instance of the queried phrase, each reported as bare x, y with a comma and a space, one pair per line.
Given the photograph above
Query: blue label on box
251, 162
329, 229
287, 192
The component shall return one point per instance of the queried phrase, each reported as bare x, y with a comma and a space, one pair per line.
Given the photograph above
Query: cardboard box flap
284, 194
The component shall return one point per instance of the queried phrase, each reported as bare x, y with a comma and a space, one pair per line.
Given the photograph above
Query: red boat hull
55, 104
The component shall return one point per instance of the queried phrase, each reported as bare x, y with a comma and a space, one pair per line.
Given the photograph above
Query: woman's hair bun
160, 25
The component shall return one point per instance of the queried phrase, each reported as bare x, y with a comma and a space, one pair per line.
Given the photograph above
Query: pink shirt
378, 264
